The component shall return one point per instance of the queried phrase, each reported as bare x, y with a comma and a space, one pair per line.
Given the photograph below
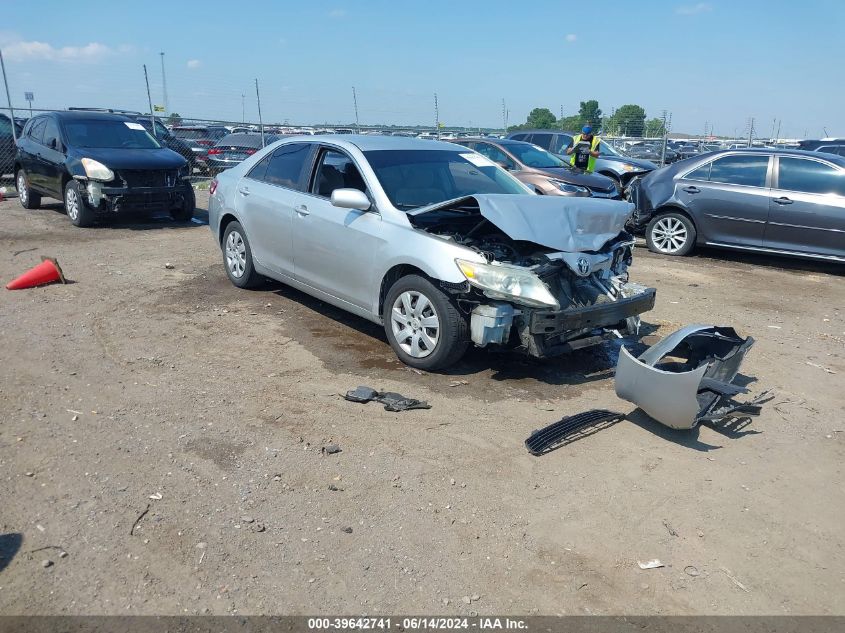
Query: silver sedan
433, 241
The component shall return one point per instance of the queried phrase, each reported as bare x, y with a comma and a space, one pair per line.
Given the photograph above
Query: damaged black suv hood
562, 224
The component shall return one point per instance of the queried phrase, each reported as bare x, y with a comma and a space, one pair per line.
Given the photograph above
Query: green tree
654, 127
540, 118
590, 112
572, 123
628, 120
174, 119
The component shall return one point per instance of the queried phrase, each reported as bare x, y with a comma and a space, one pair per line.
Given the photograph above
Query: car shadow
139, 220
10, 545
579, 367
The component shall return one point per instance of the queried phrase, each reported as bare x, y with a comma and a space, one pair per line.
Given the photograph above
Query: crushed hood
556, 222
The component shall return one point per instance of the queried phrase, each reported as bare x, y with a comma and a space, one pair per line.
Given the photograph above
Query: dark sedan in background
787, 202
542, 171
234, 148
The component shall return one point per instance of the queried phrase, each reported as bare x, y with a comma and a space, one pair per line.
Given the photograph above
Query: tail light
214, 150
205, 141
250, 152
212, 187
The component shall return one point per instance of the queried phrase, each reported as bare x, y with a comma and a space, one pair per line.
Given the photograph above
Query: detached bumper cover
590, 317
698, 389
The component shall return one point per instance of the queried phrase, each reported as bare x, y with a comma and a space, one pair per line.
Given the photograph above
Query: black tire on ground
453, 327
670, 233
237, 257
189, 205
28, 198
77, 209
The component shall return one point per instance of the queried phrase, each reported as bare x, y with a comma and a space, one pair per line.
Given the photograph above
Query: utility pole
777, 135
150, 101
355, 103
8, 98
750, 131
504, 118
436, 117
243, 108
667, 118
164, 85
774, 123
561, 112
260, 120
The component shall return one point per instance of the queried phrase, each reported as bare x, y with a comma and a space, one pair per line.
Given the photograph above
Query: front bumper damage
109, 198
699, 386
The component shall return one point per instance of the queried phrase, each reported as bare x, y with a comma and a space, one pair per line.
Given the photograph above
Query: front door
729, 198
807, 207
335, 248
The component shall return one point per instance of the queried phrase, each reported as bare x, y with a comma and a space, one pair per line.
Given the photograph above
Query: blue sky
714, 62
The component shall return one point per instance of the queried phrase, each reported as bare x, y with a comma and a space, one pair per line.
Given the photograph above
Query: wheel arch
394, 274
226, 219
674, 208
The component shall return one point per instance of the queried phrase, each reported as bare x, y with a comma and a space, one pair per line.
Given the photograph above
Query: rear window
108, 134
192, 134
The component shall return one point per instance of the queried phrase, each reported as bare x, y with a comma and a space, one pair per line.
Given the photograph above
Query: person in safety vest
584, 149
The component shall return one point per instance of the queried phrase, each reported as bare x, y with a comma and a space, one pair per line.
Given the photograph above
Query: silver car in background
434, 241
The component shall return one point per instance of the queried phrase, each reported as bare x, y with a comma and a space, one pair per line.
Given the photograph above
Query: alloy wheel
669, 235
72, 203
23, 193
236, 254
415, 324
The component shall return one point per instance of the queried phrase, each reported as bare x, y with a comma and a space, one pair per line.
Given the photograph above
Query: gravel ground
161, 435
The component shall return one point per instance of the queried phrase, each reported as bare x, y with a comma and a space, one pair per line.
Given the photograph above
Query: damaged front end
552, 275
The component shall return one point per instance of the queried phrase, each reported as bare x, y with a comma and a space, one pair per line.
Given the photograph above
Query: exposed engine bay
593, 298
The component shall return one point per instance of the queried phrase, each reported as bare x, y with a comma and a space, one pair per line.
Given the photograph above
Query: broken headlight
95, 170
508, 282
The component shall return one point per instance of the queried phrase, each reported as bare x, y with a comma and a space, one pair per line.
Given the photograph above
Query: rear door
807, 211
335, 248
53, 158
729, 198
267, 196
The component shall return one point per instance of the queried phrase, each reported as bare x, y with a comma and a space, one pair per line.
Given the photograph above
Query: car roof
542, 132
247, 140
90, 115
367, 143
504, 142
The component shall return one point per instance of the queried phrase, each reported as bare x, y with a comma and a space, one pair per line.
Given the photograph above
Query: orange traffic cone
46, 272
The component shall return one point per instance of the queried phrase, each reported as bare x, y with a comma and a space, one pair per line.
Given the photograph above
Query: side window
560, 143
700, 173
740, 170
36, 132
336, 171
285, 167
260, 169
51, 134
810, 176
5, 126
519, 137
543, 140
495, 154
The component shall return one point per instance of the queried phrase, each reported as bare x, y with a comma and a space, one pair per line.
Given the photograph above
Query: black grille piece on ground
569, 429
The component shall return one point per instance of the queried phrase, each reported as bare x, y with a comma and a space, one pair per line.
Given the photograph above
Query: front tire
77, 209
670, 234
189, 205
423, 325
237, 257
28, 198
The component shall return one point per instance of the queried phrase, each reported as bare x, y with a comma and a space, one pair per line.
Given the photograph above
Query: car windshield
108, 134
416, 178
534, 156
606, 149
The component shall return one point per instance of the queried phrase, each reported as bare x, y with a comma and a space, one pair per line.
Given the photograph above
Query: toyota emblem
583, 266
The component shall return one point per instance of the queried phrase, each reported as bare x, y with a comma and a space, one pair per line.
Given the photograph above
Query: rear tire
670, 234
423, 324
77, 209
237, 257
189, 205
28, 198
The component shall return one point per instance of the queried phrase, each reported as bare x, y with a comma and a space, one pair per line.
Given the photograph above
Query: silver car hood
563, 224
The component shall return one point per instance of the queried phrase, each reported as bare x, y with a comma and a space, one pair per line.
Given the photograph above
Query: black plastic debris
392, 401
568, 429
330, 449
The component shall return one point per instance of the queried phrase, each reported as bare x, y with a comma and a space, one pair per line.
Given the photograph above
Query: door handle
783, 200
302, 210
244, 191
692, 189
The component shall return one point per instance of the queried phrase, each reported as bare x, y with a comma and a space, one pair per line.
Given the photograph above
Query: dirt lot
138, 380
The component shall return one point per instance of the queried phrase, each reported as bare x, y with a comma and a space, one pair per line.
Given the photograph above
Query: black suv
99, 163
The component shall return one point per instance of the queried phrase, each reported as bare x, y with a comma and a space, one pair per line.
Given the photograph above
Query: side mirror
351, 199
53, 144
